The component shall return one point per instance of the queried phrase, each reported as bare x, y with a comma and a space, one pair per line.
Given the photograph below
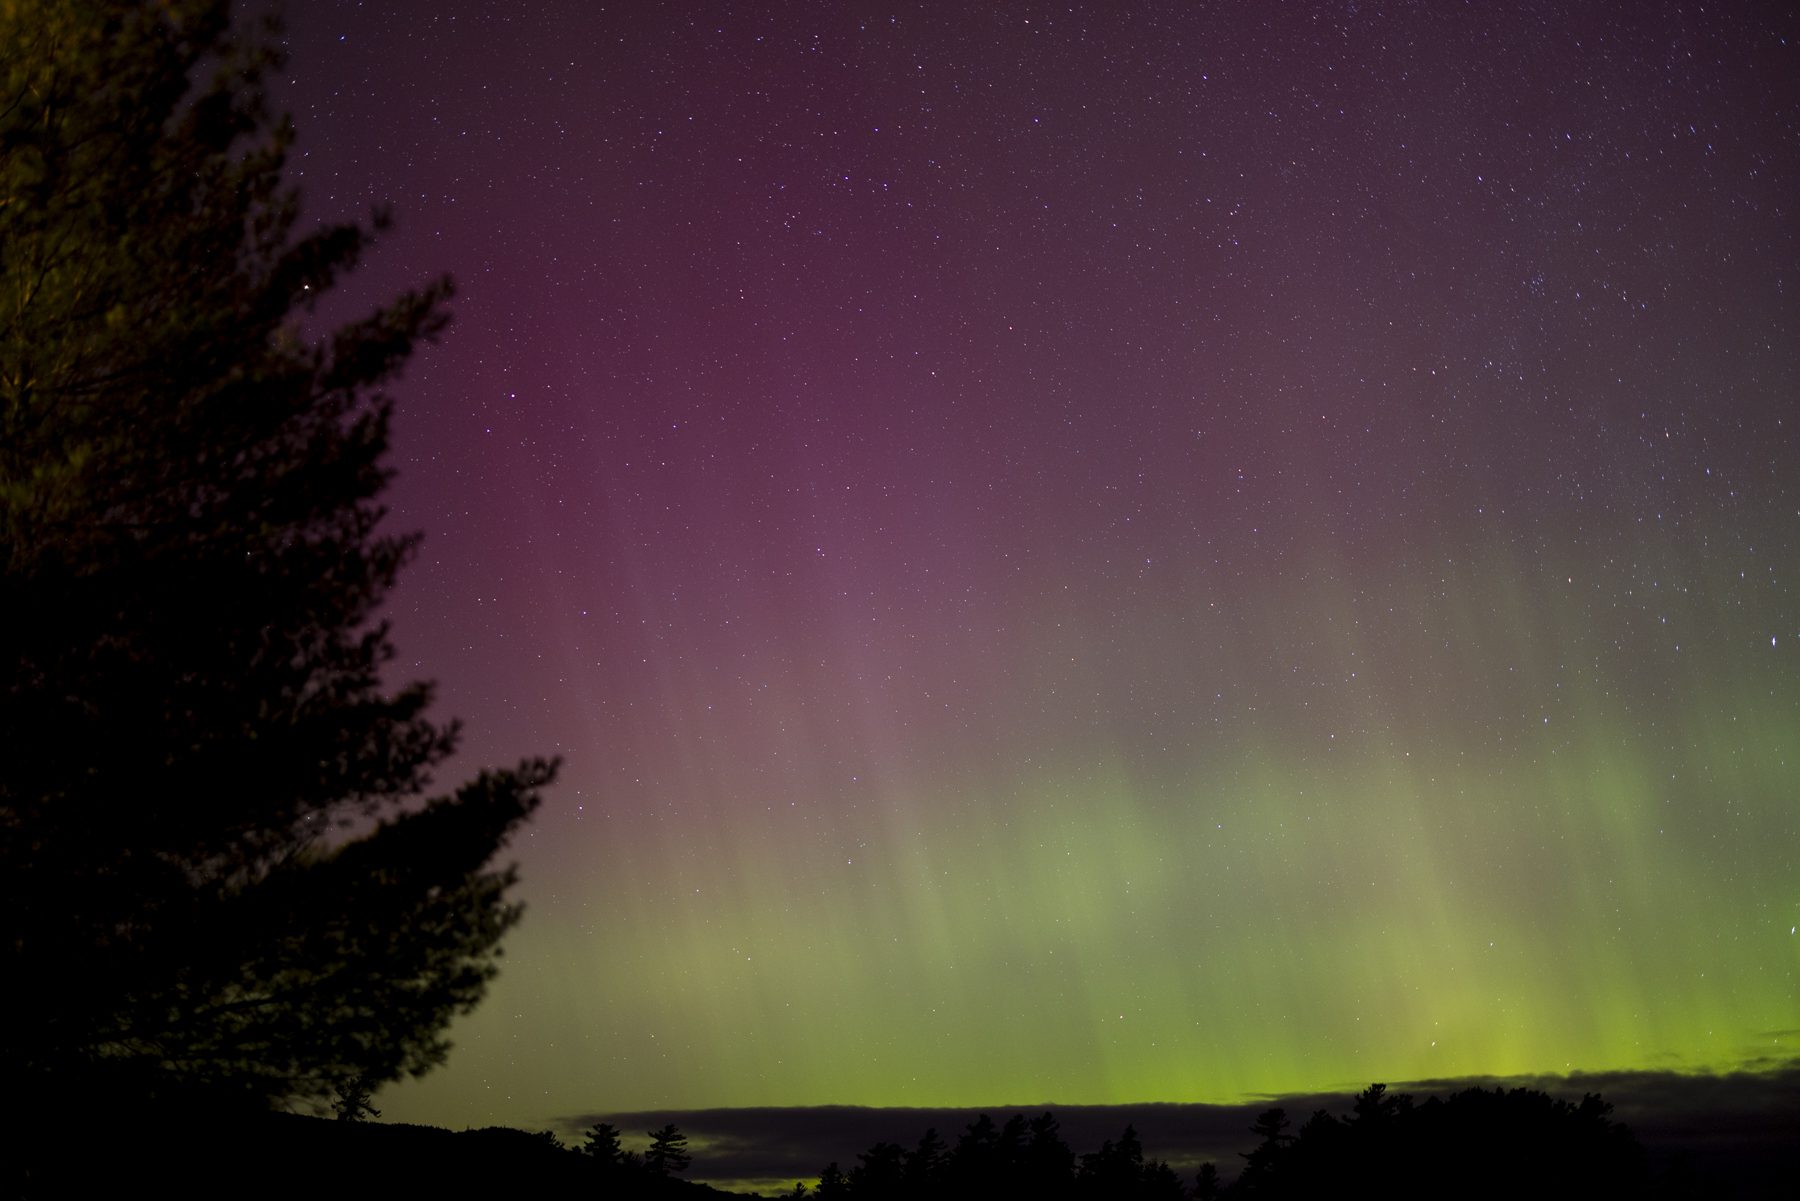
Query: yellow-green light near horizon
1345, 884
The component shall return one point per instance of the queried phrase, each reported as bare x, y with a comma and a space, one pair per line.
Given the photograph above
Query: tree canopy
223, 872
668, 1151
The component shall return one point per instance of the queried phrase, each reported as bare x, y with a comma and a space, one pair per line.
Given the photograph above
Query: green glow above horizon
1406, 875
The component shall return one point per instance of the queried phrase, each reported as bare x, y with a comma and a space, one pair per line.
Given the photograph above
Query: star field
1099, 554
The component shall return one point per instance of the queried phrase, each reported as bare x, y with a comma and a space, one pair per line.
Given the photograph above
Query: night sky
1144, 552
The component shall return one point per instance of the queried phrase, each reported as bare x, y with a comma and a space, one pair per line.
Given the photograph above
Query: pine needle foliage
223, 875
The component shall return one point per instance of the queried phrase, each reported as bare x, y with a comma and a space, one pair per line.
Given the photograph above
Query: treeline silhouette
1020, 1158
284, 1155
1477, 1144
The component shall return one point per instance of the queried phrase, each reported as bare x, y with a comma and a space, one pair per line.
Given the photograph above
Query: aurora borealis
1154, 552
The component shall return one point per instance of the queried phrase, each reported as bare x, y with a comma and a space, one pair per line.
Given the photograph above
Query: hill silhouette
282, 1155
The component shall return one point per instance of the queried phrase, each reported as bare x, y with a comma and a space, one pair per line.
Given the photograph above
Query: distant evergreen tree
833, 1184
667, 1154
1009, 1145
1159, 1182
879, 1174
972, 1168
1271, 1126
1376, 1107
1263, 1163
601, 1142
352, 1100
1048, 1167
924, 1168
1115, 1170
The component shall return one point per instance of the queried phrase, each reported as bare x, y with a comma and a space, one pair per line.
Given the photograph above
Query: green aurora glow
1462, 836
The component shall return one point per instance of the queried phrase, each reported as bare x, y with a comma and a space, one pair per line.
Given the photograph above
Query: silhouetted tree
879, 1174
1207, 1186
190, 673
351, 1100
601, 1142
1376, 1107
1263, 1164
833, 1184
1048, 1168
972, 1166
1270, 1126
1115, 1170
667, 1153
1159, 1182
923, 1171
1009, 1144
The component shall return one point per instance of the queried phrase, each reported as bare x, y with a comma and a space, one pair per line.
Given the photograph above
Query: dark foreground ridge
280, 1155
1500, 1142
